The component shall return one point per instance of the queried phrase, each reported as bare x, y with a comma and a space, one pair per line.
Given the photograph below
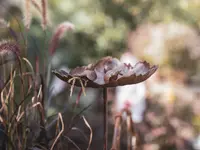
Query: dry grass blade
72, 142
11, 86
79, 130
37, 104
91, 133
73, 83
12, 92
20, 115
59, 134
40, 92
29, 64
2, 121
10, 82
41, 109
32, 73
2, 102
72, 86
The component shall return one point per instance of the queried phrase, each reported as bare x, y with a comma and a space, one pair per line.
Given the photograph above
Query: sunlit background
163, 32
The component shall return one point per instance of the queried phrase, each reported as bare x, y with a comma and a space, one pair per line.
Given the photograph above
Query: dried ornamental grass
42, 9
9, 58
9, 51
58, 34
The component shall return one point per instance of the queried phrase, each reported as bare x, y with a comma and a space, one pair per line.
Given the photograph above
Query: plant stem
129, 133
117, 133
105, 118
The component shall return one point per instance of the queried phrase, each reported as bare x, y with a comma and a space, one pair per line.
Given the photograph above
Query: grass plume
9, 51
27, 14
58, 34
37, 5
44, 14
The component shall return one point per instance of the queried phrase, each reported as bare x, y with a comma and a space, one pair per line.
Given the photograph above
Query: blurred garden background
162, 32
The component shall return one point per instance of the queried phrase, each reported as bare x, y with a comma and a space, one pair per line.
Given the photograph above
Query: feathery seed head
59, 32
9, 51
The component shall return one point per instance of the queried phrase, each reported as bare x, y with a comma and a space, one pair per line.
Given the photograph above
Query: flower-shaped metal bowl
107, 72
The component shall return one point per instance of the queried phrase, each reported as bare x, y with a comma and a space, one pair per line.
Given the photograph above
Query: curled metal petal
108, 72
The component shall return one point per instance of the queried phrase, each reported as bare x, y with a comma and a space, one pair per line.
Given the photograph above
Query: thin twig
81, 82
32, 71
16, 110
77, 129
59, 134
72, 87
105, 118
40, 91
2, 92
18, 113
132, 138
91, 133
19, 116
72, 123
29, 64
129, 134
117, 133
